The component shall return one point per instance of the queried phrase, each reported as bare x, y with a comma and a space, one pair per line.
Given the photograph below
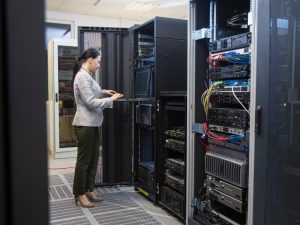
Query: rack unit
171, 152
159, 57
62, 142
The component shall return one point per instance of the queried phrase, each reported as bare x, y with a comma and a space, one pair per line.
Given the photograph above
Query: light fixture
142, 5
96, 3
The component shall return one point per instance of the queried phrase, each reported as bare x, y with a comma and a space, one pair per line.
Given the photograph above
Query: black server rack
115, 164
159, 64
171, 152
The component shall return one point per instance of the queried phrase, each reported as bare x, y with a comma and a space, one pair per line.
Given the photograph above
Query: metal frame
259, 83
190, 114
258, 141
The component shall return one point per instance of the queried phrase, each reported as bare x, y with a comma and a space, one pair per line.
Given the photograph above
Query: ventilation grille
231, 170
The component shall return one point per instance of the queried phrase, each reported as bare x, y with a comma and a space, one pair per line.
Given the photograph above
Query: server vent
229, 169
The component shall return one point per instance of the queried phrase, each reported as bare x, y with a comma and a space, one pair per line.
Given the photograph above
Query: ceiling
140, 10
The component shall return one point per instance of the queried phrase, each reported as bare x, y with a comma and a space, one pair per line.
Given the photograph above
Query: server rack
218, 129
273, 177
126, 122
171, 152
115, 162
160, 46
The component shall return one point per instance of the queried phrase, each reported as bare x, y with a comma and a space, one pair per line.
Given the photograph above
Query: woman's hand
116, 96
110, 92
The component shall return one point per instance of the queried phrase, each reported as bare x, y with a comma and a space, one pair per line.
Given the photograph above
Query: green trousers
88, 139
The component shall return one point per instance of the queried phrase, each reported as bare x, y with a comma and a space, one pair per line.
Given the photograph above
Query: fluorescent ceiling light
142, 5
96, 3
174, 3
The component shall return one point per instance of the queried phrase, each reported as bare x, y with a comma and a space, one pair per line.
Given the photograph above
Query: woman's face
94, 64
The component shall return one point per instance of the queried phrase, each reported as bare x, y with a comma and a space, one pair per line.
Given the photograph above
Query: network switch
229, 72
233, 42
233, 85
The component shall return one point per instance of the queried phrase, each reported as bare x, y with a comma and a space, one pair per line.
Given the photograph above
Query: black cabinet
115, 163
140, 62
159, 57
171, 152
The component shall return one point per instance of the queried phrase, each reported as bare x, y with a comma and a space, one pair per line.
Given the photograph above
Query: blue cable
237, 58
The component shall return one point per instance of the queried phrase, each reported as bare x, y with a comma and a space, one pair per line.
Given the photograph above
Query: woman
88, 118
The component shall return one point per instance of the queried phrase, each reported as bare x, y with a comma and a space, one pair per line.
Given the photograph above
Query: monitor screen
142, 82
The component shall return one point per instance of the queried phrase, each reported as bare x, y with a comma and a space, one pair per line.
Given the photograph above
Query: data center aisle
121, 205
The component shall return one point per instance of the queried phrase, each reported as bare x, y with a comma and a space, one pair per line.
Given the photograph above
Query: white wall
82, 20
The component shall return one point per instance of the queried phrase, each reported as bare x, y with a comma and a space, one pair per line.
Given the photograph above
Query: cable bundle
212, 135
238, 19
214, 60
207, 93
237, 58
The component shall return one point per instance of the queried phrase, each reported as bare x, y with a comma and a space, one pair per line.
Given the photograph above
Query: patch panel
228, 98
234, 85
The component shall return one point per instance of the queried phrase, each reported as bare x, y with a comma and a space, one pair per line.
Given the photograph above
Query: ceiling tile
73, 7
117, 8
103, 11
89, 2
129, 14
114, 3
53, 4
170, 4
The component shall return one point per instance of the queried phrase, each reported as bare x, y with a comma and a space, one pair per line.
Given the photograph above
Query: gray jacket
89, 101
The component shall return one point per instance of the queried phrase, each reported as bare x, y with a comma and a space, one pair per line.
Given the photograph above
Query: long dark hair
88, 53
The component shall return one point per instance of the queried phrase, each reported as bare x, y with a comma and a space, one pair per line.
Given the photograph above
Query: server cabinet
171, 152
115, 162
159, 51
129, 128
62, 142
219, 106
268, 195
